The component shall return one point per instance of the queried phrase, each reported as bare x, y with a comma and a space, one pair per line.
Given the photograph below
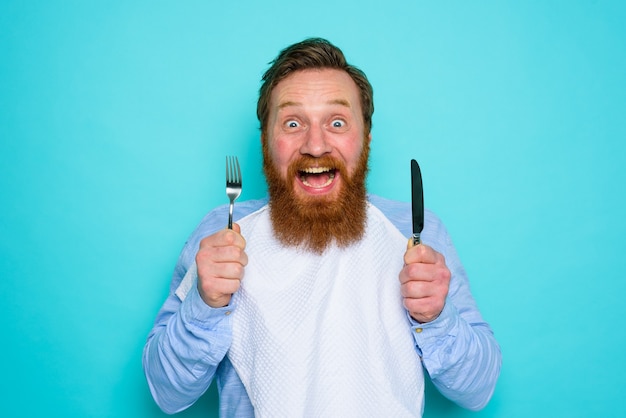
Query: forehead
330, 86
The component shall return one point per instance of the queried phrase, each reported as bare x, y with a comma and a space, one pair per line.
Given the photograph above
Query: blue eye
292, 124
338, 123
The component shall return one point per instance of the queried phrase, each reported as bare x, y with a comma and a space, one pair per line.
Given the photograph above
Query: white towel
325, 336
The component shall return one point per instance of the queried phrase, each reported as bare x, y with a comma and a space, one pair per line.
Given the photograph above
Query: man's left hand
424, 280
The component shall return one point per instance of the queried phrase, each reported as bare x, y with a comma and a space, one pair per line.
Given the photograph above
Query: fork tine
238, 179
229, 169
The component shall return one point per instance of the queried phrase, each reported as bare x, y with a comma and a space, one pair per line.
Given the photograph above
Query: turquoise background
115, 118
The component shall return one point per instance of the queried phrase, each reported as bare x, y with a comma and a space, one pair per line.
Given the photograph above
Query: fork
233, 185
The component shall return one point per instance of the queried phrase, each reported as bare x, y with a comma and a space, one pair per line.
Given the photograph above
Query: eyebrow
340, 102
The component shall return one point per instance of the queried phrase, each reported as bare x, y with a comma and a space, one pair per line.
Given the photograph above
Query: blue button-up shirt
187, 346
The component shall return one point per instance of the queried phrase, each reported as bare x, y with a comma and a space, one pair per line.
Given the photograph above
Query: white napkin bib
325, 335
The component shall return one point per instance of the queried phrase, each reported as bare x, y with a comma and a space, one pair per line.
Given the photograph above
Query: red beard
315, 222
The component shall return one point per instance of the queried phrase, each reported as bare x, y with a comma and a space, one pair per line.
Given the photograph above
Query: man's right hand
221, 260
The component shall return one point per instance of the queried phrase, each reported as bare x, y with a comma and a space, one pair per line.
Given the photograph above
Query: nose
315, 142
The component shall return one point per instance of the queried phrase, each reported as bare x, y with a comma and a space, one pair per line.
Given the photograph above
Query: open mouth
317, 177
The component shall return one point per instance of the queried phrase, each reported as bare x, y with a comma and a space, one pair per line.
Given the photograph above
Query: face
315, 131
315, 160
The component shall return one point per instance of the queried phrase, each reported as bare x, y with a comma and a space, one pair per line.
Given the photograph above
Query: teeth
316, 170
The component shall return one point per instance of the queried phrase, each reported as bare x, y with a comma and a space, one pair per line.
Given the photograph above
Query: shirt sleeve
189, 339
458, 349
184, 349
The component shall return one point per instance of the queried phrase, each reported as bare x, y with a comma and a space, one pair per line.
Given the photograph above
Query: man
322, 309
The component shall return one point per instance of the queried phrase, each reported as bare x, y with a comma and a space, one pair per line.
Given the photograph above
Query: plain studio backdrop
116, 117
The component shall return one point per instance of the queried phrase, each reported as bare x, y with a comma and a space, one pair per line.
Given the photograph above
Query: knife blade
417, 201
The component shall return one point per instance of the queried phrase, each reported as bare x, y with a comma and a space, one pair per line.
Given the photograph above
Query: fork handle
230, 216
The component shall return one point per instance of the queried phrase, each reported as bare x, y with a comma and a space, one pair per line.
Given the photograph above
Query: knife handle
416, 239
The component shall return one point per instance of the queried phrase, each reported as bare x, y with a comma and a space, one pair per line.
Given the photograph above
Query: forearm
462, 359
183, 351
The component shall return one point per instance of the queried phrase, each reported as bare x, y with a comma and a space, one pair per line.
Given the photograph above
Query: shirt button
227, 313
418, 330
